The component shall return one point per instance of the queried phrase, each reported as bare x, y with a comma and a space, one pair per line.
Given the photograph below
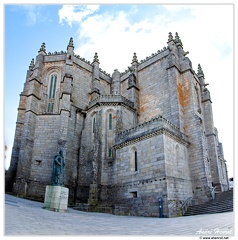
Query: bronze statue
57, 178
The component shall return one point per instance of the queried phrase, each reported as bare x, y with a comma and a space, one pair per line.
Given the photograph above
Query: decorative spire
31, 64
42, 48
200, 71
131, 69
178, 40
71, 42
96, 58
134, 59
170, 37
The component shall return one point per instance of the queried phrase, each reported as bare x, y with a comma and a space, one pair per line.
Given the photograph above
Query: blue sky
116, 32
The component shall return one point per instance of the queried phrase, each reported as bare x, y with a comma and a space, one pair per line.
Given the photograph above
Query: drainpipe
160, 207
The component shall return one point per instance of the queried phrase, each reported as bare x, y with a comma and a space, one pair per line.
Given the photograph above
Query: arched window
51, 93
110, 121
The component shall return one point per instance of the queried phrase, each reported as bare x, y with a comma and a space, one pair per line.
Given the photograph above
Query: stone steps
222, 203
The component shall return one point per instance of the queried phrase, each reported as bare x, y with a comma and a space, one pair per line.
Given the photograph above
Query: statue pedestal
56, 198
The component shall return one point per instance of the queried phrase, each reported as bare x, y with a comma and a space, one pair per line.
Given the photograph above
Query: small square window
133, 194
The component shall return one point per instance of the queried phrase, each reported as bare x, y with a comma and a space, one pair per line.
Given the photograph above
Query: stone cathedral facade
128, 139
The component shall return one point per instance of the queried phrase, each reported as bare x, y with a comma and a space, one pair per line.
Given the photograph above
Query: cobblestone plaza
25, 218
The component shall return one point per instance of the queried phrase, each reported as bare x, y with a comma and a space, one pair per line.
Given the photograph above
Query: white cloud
116, 36
76, 13
33, 14
205, 30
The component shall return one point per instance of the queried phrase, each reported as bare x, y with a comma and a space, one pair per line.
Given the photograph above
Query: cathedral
140, 142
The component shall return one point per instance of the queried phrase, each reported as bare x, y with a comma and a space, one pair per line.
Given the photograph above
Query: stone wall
194, 128
122, 118
178, 175
45, 148
154, 91
136, 189
127, 140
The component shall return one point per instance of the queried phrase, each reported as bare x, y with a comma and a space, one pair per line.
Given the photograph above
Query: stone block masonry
128, 139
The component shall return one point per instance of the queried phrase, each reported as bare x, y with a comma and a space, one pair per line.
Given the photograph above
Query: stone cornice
150, 134
110, 100
154, 127
158, 179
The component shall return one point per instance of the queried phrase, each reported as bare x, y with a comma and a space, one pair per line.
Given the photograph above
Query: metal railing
213, 192
186, 204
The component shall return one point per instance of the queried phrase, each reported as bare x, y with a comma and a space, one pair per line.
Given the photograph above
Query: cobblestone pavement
24, 217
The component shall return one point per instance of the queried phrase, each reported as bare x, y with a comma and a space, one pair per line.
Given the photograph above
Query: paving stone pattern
24, 218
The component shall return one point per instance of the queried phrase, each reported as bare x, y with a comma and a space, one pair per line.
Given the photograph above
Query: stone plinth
56, 198
93, 194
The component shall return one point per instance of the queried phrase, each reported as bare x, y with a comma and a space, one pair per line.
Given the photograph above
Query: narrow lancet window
109, 152
110, 121
48, 109
52, 86
94, 123
136, 162
52, 90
